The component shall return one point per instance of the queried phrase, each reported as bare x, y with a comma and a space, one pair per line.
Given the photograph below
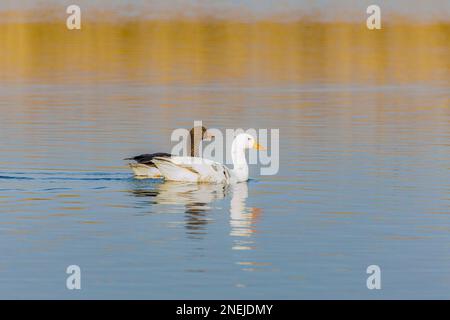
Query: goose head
200, 133
246, 141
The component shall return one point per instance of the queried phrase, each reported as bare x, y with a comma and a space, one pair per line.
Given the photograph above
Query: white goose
195, 169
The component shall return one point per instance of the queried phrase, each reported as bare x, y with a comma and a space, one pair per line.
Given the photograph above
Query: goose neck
239, 161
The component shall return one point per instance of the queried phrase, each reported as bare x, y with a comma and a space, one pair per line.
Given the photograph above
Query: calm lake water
364, 176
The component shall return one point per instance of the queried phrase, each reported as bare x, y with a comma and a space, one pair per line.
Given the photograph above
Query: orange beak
257, 146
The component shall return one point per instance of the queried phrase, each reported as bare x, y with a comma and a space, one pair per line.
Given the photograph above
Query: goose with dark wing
143, 166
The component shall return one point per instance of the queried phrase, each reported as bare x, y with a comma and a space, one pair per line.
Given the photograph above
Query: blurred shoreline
204, 46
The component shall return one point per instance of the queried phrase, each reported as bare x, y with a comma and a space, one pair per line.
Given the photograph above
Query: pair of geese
194, 168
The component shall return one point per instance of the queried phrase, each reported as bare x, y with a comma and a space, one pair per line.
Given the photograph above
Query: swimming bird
195, 169
144, 166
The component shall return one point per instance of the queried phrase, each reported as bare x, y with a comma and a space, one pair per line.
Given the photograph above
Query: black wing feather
148, 157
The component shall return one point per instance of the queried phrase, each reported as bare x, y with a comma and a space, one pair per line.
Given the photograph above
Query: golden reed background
182, 50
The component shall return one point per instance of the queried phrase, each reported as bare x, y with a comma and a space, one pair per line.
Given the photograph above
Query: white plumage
195, 169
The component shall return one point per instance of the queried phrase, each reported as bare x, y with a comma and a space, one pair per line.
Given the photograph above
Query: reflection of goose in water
195, 198
242, 218
190, 195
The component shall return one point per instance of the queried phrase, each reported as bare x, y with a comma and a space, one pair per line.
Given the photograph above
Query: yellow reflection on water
195, 51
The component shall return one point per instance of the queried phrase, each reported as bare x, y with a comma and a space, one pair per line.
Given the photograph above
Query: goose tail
145, 171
